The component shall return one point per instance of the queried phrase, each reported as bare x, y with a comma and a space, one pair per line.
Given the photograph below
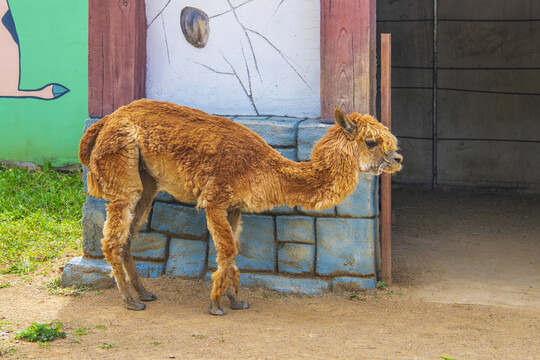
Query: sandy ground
466, 286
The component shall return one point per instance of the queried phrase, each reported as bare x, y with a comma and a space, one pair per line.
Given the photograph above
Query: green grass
42, 333
40, 217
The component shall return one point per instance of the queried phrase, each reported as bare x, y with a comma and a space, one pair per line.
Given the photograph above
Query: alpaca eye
371, 143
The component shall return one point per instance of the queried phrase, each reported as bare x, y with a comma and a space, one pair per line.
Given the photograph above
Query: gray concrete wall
488, 90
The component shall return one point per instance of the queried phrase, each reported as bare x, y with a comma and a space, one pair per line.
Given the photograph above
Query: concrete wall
287, 249
261, 57
487, 96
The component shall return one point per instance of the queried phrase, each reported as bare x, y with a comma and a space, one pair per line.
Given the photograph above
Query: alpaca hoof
135, 305
216, 310
148, 296
240, 305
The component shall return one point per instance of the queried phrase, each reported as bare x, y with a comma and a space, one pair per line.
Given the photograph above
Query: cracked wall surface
262, 57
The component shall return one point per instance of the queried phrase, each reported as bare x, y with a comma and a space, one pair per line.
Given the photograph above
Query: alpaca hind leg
141, 214
234, 218
226, 247
115, 244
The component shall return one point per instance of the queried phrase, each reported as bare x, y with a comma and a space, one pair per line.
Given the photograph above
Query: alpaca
224, 167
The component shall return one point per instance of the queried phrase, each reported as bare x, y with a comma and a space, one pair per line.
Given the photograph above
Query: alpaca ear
350, 128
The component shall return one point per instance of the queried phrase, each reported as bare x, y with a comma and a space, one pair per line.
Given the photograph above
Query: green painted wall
53, 38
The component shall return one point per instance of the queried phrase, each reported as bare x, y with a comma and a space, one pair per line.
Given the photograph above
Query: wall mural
10, 63
248, 57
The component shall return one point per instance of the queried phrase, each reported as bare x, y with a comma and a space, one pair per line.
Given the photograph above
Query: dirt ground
466, 286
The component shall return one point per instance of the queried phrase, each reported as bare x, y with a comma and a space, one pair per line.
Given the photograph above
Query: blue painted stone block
285, 284
94, 214
281, 210
150, 270
275, 131
309, 132
296, 229
178, 219
257, 246
346, 246
90, 122
149, 246
164, 196
296, 258
186, 258
84, 272
364, 201
289, 153
354, 283
325, 212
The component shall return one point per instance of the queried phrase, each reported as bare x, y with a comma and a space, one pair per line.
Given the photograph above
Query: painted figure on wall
10, 64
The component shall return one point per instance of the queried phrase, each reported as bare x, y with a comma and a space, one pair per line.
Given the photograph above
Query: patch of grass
101, 326
43, 333
107, 346
54, 288
7, 349
356, 297
83, 330
40, 217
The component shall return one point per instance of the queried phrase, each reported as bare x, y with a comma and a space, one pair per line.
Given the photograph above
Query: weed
381, 285
81, 331
446, 358
390, 292
44, 344
76, 340
98, 292
54, 288
6, 349
156, 342
399, 293
101, 327
40, 214
41, 332
355, 296
4, 285
221, 339
199, 337
107, 346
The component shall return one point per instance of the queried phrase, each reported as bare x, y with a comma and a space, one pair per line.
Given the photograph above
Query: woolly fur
148, 146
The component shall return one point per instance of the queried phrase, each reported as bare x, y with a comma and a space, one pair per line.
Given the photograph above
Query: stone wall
287, 249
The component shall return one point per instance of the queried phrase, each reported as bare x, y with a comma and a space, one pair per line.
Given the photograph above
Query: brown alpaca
148, 146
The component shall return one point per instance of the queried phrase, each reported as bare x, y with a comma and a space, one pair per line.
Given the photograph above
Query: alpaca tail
86, 146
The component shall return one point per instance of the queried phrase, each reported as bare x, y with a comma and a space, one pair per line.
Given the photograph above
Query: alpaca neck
328, 178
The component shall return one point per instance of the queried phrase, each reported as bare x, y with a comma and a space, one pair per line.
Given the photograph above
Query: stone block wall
287, 249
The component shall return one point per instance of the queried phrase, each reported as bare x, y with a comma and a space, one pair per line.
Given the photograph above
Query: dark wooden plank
489, 44
404, 10
473, 115
116, 54
489, 164
348, 61
413, 42
386, 180
489, 9
416, 161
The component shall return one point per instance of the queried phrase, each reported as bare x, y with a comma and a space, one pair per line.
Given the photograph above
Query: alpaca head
376, 144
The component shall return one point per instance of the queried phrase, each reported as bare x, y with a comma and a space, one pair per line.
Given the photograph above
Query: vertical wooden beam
116, 54
386, 182
348, 57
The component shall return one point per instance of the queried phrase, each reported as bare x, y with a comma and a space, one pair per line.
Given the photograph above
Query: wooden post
386, 185
348, 57
116, 54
